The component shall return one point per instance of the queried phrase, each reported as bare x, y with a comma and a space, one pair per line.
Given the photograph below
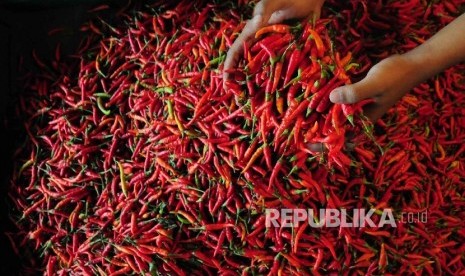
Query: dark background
24, 25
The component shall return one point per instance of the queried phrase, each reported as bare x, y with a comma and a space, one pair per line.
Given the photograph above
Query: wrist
418, 66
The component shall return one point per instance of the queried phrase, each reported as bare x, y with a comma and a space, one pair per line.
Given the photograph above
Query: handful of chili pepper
288, 95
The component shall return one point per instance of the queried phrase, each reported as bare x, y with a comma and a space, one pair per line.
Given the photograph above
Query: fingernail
336, 95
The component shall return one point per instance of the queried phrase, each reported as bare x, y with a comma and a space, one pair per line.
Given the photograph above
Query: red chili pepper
269, 51
276, 76
287, 120
294, 61
323, 100
318, 42
253, 158
267, 40
293, 89
276, 28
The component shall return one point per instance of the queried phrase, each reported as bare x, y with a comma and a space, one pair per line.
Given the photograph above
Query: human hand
269, 12
392, 78
386, 83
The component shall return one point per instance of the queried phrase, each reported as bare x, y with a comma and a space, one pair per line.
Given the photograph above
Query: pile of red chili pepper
136, 160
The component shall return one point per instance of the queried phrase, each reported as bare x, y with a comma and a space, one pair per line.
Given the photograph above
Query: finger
349, 143
262, 13
354, 93
281, 15
374, 111
234, 52
316, 147
266, 8
231, 59
291, 12
320, 147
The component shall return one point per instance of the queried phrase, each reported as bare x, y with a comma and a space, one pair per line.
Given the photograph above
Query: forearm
446, 48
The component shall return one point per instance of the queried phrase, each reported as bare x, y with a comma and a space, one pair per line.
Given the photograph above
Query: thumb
353, 93
266, 9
